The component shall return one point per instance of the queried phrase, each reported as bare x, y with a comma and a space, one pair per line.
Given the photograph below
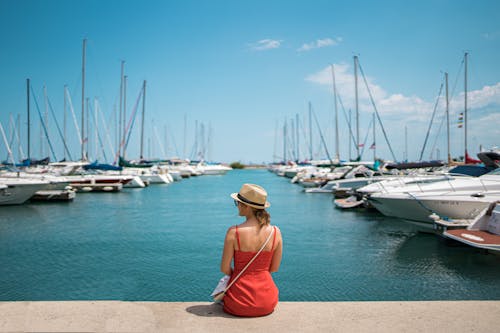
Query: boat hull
419, 210
18, 194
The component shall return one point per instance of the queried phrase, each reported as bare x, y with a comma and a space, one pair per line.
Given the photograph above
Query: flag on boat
461, 116
361, 145
373, 146
460, 119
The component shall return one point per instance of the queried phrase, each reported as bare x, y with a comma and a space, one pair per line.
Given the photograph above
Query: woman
254, 293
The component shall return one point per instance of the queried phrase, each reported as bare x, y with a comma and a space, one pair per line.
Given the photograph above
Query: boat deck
478, 237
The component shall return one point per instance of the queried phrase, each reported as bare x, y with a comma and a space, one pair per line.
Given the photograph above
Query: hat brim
235, 197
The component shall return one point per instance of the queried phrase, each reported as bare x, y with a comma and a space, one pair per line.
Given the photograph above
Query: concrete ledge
116, 316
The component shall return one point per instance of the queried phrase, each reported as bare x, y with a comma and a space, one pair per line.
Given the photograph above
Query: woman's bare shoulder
278, 231
231, 231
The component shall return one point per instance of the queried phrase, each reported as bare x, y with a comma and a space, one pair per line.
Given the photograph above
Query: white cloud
488, 95
398, 106
491, 35
265, 44
412, 106
398, 111
319, 43
344, 80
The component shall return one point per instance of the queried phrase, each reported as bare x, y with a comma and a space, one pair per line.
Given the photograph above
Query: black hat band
250, 202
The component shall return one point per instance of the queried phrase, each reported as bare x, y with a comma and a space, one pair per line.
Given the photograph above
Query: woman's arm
228, 252
276, 261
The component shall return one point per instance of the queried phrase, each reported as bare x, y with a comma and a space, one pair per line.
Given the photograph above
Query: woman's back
250, 238
254, 293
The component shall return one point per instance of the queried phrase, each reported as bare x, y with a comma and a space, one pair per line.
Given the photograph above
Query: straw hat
252, 195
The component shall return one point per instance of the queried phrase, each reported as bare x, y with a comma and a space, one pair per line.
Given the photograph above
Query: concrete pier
117, 316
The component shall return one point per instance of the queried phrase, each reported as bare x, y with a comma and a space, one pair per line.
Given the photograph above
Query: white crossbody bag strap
251, 260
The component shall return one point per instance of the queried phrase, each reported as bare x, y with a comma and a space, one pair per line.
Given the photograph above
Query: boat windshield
494, 172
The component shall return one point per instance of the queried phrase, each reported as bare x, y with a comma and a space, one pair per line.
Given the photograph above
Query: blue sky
241, 68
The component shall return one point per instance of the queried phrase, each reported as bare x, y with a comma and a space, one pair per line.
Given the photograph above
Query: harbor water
164, 243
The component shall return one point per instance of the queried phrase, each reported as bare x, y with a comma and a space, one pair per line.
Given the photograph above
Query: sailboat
15, 191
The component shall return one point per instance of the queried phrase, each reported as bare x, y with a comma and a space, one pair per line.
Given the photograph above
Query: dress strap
274, 238
238, 238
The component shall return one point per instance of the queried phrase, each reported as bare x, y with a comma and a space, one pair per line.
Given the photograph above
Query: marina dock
117, 316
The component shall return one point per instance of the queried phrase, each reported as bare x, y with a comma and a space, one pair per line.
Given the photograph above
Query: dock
118, 316
97, 187
54, 195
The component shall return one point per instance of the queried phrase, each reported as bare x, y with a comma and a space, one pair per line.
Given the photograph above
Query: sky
225, 78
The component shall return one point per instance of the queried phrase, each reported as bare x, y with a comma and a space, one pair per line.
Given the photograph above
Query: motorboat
152, 175
417, 208
349, 202
351, 180
483, 231
449, 195
212, 169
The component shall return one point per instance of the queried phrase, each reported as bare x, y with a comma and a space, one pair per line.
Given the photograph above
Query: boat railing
451, 185
419, 187
382, 187
483, 185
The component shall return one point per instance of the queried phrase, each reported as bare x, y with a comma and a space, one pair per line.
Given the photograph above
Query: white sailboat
15, 191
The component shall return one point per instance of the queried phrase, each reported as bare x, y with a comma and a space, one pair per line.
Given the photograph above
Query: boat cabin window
494, 172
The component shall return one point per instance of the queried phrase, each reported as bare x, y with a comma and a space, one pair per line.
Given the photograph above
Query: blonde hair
262, 216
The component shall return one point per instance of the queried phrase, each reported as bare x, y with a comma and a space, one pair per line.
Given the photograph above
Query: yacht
483, 232
454, 197
15, 191
212, 169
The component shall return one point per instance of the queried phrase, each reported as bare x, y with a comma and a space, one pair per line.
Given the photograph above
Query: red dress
254, 293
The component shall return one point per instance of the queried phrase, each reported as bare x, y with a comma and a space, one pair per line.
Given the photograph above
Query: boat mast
374, 145
356, 101
465, 105
209, 142
310, 132
143, 111
18, 136
120, 112
96, 132
284, 142
292, 137
350, 129
406, 144
195, 150
447, 117
124, 114
297, 134
46, 118
83, 98
166, 140
6, 142
29, 125
337, 154
64, 124
88, 128
184, 153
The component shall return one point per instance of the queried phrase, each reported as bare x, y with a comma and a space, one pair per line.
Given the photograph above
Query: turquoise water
164, 243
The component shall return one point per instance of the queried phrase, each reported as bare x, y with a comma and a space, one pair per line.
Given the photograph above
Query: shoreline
120, 316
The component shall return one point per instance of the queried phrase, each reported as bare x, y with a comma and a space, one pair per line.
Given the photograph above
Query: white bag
221, 286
